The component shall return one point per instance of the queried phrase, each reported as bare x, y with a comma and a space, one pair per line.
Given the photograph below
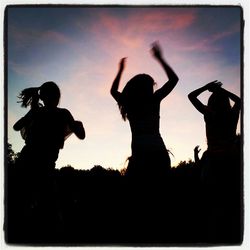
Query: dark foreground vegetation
101, 207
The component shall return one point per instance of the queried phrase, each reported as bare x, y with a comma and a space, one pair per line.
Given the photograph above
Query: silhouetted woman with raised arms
220, 163
44, 127
221, 119
141, 106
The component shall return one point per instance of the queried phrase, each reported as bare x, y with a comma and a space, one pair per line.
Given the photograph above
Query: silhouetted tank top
145, 129
221, 129
48, 128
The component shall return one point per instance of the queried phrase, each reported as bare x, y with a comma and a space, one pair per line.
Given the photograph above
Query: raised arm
234, 98
173, 78
114, 88
212, 86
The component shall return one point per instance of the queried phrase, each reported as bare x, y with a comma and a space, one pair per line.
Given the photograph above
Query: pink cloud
26, 37
162, 20
132, 30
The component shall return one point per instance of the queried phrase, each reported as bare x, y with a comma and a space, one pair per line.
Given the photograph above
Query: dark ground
101, 207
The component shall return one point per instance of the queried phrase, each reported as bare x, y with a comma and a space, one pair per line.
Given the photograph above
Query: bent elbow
79, 130
82, 137
16, 127
190, 96
174, 81
176, 78
113, 92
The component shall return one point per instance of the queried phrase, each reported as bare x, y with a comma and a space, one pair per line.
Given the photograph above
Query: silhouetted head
50, 94
219, 102
138, 90
140, 85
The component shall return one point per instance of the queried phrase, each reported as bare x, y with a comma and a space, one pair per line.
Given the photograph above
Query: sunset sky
79, 48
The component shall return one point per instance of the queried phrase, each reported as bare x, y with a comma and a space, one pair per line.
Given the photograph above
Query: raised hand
122, 63
115, 85
197, 149
156, 50
214, 86
196, 154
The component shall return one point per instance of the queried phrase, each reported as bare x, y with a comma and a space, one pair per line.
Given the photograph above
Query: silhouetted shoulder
70, 124
65, 113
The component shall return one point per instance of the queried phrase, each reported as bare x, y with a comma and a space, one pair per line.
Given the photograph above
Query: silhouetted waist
146, 126
147, 142
221, 145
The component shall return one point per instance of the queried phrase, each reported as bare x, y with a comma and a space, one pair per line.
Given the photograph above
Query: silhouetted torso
144, 124
149, 153
146, 120
221, 129
48, 127
45, 135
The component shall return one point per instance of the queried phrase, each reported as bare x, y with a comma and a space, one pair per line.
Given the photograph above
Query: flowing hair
32, 96
135, 94
29, 97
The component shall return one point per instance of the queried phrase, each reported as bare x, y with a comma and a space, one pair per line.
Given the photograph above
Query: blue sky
79, 49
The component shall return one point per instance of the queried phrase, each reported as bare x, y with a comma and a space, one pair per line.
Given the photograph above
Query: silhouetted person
221, 161
221, 119
141, 106
45, 127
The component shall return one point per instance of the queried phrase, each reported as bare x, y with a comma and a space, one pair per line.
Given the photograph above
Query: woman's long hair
136, 94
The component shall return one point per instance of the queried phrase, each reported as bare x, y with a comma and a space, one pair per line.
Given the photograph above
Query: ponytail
29, 97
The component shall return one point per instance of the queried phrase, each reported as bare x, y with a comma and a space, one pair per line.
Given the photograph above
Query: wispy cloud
56, 37
25, 37
131, 30
207, 44
163, 20
21, 37
24, 70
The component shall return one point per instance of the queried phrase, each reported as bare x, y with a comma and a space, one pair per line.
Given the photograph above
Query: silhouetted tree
11, 155
185, 164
